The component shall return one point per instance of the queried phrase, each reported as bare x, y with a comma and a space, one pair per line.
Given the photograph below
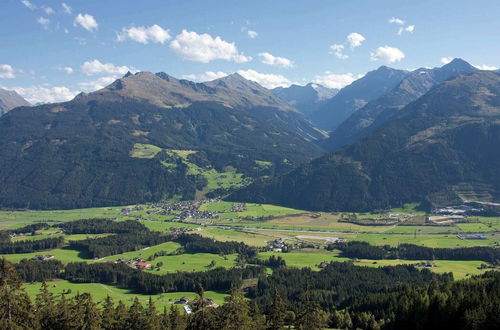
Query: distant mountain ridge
439, 150
147, 137
379, 111
307, 99
9, 100
164, 90
354, 96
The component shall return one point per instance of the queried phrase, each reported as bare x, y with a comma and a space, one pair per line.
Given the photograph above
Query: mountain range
440, 149
307, 99
349, 99
377, 112
147, 137
9, 100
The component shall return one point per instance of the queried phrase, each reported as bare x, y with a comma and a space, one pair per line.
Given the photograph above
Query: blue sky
50, 50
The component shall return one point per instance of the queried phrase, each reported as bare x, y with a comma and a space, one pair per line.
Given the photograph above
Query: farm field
99, 292
312, 258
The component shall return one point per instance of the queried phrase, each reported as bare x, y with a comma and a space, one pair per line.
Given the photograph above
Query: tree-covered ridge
77, 154
446, 139
338, 297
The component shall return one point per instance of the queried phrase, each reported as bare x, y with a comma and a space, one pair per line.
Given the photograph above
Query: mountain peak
458, 64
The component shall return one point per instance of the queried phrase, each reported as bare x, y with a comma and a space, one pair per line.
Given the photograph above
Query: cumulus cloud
395, 20
97, 67
252, 34
387, 54
45, 94
97, 84
446, 59
204, 48
334, 80
66, 8
144, 35
206, 76
86, 21
355, 39
6, 71
338, 51
265, 79
485, 67
270, 59
67, 69
44, 22
28, 4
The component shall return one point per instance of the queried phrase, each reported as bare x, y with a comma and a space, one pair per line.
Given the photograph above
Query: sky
51, 50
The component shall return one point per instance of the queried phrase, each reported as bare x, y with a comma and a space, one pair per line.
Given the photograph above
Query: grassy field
101, 291
64, 255
147, 151
16, 219
312, 258
260, 210
192, 262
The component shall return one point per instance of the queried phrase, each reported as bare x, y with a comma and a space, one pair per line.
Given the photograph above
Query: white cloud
446, 59
67, 9
144, 35
409, 28
270, 59
334, 80
486, 67
44, 22
28, 4
264, 79
48, 10
355, 39
44, 94
387, 54
96, 67
86, 21
204, 48
252, 34
206, 76
395, 20
337, 50
94, 85
6, 71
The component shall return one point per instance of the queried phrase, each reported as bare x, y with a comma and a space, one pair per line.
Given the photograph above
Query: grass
252, 239
217, 206
475, 227
17, 219
261, 210
101, 291
64, 255
147, 151
192, 262
145, 253
312, 258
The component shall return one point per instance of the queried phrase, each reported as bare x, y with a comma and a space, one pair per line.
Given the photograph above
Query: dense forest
28, 246
288, 298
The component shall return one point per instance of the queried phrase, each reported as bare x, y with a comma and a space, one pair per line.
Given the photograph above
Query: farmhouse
43, 257
143, 265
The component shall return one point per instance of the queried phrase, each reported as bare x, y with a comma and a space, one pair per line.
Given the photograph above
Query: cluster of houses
137, 263
43, 257
238, 207
427, 264
184, 209
183, 230
278, 245
127, 211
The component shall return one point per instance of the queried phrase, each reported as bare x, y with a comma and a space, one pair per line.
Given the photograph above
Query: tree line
364, 250
436, 304
28, 246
